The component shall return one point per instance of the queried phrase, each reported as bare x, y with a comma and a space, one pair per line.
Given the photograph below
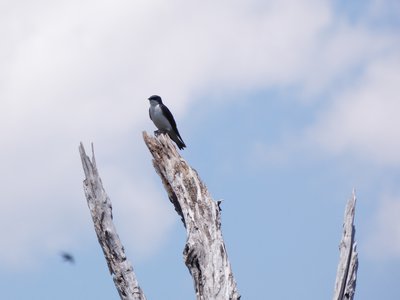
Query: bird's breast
159, 119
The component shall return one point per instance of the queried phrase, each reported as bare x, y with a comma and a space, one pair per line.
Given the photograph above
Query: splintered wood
101, 211
346, 276
204, 253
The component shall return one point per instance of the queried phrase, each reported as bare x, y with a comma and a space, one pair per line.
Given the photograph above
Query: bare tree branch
101, 211
204, 253
346, 276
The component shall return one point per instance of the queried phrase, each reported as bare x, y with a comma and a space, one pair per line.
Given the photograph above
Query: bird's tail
177, 139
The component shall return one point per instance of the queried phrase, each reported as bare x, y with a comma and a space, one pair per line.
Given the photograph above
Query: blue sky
285, 107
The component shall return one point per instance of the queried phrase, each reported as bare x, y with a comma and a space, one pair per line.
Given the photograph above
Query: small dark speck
67, 257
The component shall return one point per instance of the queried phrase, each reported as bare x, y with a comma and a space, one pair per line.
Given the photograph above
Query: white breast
158, 118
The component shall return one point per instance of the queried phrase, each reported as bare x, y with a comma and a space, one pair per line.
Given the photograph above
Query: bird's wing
171, 120
150, 115
169, 116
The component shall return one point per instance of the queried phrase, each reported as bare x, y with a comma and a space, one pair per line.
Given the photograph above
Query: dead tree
204, 253
346, 276
101, 211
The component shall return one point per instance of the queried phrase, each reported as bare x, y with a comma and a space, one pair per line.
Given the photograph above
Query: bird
164, 120
67, 257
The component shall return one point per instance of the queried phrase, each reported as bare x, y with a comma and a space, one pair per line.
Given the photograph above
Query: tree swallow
164, 120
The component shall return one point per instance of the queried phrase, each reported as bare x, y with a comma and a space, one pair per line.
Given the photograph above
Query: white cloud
341, 51
364, 120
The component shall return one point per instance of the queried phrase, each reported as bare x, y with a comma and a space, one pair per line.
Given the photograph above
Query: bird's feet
158, 132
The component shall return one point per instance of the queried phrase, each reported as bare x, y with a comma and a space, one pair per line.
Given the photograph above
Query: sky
285, 107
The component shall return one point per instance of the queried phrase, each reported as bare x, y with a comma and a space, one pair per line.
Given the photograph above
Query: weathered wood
346, 276
101, 210
204, 253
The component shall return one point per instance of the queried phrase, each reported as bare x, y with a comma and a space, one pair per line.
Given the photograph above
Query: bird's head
155, 99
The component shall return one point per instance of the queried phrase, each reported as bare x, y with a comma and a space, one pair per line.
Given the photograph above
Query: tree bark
101, 210
346, 276
204, 253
